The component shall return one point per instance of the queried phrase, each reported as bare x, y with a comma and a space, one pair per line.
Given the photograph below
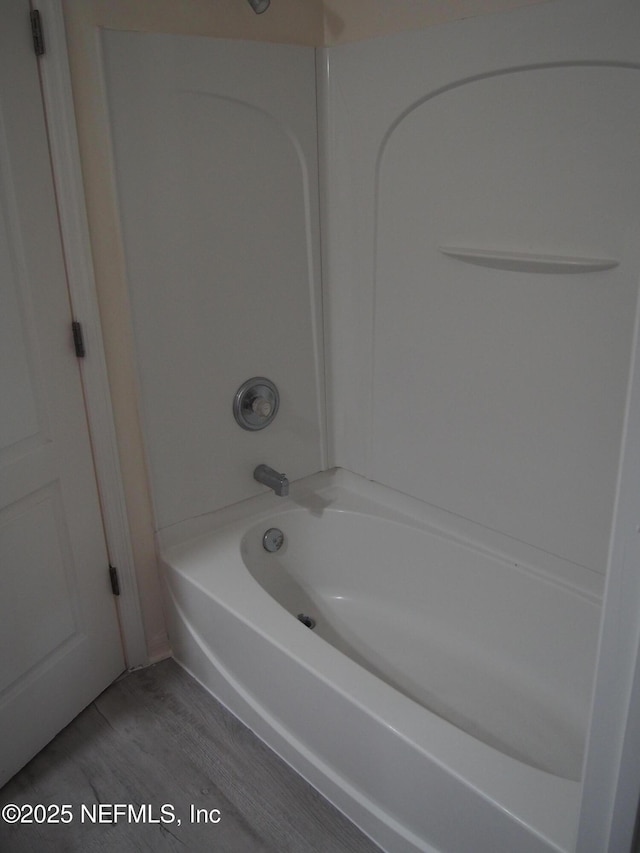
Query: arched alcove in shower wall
496, 392
505, 284
217, 182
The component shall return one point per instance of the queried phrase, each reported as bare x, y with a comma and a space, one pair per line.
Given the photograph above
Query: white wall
216, 173
494, 394
352, 20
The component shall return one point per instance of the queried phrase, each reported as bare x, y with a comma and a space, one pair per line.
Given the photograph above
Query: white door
59, 638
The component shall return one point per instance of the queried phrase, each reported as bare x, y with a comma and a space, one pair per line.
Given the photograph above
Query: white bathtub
441, 701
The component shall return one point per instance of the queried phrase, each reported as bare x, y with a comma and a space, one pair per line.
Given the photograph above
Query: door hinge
37, 33
115, 583
78, 339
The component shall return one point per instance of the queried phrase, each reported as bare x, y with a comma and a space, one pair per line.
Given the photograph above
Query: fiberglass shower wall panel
216, 171
491, 387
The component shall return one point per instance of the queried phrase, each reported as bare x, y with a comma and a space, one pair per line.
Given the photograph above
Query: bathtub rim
399, 507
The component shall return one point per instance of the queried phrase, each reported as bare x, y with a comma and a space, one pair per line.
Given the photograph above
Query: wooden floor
156, 738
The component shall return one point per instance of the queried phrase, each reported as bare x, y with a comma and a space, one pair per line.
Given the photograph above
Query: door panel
59, 638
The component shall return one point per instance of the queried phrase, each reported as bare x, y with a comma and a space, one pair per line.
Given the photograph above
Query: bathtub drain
307, 620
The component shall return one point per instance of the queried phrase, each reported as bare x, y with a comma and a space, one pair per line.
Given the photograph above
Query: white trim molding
65, 158
611, 778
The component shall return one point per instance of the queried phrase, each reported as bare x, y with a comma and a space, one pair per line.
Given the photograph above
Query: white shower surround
497, 395
543, 37
217, 182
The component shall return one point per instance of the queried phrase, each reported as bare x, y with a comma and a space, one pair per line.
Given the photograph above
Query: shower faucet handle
256, 403
262, 407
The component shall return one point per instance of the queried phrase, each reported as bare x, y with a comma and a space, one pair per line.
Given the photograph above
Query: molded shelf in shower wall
523, 262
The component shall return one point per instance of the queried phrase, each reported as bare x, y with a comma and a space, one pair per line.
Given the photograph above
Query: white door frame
65, 157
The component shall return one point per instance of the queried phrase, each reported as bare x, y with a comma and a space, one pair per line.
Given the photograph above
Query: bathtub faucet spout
268, 477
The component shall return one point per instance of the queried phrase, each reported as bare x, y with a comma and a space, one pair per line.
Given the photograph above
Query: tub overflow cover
273, 539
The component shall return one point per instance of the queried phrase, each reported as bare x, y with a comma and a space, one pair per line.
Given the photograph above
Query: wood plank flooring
156, 737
